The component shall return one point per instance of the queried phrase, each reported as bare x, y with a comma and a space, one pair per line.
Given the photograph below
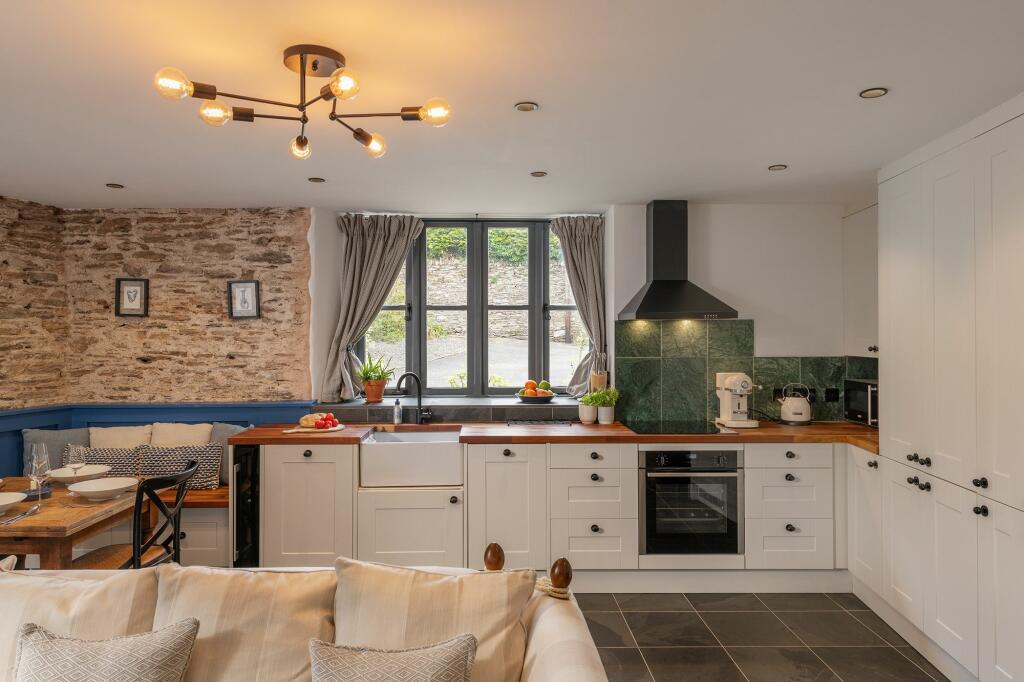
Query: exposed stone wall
33, 305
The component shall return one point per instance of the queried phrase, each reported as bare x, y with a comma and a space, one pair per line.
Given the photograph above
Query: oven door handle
695, 474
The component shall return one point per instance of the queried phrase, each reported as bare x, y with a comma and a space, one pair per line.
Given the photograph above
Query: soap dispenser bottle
396, 416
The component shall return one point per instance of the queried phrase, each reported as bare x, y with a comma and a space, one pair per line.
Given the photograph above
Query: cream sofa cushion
388, 607
253, 625
8, 563
80, 604
119, 436
178, 435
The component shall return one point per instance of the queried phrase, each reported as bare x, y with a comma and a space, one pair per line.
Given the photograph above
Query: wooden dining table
64, 521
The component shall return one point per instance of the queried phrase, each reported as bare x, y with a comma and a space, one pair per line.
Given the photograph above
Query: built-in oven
860, 401
691, 500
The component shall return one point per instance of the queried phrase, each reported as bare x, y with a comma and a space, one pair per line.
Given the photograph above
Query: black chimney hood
667, 294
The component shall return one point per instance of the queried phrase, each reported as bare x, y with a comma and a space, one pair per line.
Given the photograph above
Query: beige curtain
582, 239
373, 249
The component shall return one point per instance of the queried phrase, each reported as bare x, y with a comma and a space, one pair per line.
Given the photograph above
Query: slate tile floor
748, 638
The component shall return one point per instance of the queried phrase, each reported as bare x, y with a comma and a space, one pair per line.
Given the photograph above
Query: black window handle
980, 482
594, 455
595, 477
981, 511
790, 454
307, 453
506, 452
453, 499
595, 528
790, 527
790, 477
873, 464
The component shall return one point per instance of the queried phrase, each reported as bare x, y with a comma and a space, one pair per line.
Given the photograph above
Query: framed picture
243, 299
131, 297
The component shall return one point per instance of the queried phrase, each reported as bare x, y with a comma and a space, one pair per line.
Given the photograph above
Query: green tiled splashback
665, 370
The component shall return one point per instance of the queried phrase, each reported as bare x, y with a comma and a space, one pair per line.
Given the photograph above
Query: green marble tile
731, 364
861, 368
730, 338
638, 338
820, 373
684, 389
684, 339
639, 384
772, 373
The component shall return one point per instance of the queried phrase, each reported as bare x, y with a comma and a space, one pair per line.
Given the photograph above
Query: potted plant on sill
599, 405
375, 375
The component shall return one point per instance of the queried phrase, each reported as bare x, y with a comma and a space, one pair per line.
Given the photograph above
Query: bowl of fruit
534, 392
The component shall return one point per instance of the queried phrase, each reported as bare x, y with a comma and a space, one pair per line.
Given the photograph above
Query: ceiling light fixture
874, 93
539, 174
308, 61
527, 106
778, 167
115, 185
316, 179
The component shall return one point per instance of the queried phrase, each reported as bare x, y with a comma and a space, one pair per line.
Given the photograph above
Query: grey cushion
221, 433
55, 440
448, 661
160, 656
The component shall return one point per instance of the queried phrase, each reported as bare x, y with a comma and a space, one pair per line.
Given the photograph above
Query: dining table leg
55, 554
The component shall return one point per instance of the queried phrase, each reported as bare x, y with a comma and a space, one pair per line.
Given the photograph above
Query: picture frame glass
132, 297
244, 301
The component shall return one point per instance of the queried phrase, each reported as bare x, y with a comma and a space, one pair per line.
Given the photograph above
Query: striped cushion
122, 461
388, 607
165, 461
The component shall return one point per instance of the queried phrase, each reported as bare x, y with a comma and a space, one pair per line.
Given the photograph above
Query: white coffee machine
734, 389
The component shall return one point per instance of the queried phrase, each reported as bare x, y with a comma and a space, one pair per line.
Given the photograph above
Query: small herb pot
588, 414
606, 415
374, 390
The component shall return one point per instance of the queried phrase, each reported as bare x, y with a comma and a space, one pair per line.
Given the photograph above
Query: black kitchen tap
421, 414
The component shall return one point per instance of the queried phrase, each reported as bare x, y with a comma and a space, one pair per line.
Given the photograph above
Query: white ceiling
639, 100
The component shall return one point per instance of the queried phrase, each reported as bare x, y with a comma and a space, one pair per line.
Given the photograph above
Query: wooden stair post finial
494, 557
560, 574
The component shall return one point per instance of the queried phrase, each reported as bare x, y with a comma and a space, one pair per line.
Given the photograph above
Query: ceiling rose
306, 60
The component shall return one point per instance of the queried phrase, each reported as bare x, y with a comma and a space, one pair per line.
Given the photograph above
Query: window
481, 307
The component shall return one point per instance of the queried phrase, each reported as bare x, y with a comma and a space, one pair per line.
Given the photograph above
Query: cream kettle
796, 406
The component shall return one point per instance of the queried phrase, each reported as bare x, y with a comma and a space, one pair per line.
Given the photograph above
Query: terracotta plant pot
374, 390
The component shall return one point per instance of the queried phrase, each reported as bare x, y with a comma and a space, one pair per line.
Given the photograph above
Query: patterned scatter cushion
448, 661
164, 461
122, 461
160, 656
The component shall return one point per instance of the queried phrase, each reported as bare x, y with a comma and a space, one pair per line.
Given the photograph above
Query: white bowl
103, 488
8, 500
86, 473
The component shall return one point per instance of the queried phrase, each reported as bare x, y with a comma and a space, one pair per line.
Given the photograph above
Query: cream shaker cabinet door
907, 540
1001, 608
864, 517
411, 526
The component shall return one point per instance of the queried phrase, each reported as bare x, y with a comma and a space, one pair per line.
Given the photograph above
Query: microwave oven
860, 401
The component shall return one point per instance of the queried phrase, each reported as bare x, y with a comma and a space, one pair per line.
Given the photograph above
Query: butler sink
410, 459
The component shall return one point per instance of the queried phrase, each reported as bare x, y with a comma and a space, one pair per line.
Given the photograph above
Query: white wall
324, 291
624, 230
860, 281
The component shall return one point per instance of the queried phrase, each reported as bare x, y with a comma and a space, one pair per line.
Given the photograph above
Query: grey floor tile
772, 664
726, 601
875, 623
624, 665
608, 629
835, 628
923, 663
871, 664
669, 628
669, 601
749, 629
694, 664
596, 601
793, 601
848, 601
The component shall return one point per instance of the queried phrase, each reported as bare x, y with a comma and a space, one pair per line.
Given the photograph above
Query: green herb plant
375, 370
606, 397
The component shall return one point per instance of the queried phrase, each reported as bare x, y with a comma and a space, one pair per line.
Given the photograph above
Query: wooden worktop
273, 434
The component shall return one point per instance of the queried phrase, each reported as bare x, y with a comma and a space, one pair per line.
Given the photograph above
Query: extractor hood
667, 294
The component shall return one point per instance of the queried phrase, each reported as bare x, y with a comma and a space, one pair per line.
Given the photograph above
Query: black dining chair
163, 544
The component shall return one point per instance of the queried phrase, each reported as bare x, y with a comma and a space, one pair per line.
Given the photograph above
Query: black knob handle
980, 482
506, 452
926, 486
790, 477
790, 527
872, 349
453, 499
873, 464
981, 511
595, 477
913, 480
182, 535
913, 458
594, 455
926, 461
790, 454
307, 453
595, 528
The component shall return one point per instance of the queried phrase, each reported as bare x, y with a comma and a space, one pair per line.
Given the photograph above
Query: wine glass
40, 467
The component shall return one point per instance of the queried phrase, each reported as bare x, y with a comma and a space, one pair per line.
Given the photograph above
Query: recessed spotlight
874, 93
316, 179
778, 167
115, 185
538, 174
527, 106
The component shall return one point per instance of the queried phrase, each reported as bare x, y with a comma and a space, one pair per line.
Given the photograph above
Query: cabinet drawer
787, 455
586, 456
770, 494
595, 543
771, 544
576, 495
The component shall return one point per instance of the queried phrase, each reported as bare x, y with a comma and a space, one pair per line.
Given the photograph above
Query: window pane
446, 266
397, 294
508, 265
386, 339
508, 348
568, 343
559, 291
447, 358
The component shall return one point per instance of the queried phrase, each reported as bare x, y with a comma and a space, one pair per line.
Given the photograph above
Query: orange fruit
530, 384
529, 392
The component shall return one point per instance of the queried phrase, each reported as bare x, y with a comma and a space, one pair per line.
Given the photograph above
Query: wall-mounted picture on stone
243, 299
131, 297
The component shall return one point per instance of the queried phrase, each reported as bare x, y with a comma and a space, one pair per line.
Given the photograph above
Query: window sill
455, 409
451, 401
